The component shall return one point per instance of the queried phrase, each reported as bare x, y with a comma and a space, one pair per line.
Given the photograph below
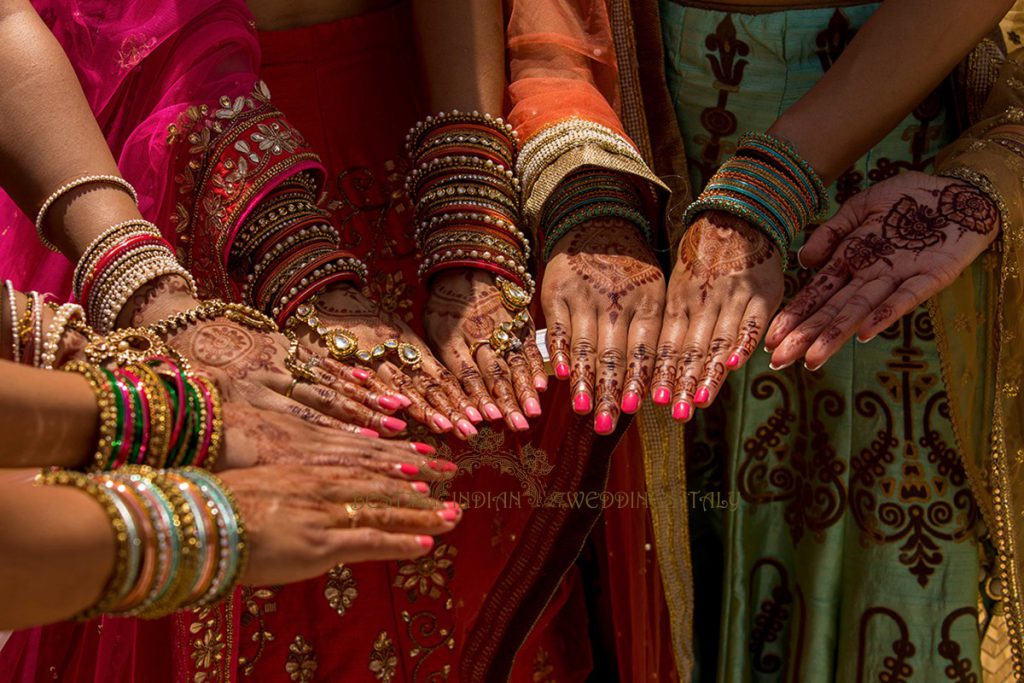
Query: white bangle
67, 187
12, 301
55, 332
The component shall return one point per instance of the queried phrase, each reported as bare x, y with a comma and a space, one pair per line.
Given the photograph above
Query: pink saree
501, 597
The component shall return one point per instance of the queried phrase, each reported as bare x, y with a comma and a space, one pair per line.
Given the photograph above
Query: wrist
156, 300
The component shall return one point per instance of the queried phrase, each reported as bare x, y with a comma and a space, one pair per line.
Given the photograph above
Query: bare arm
900, 55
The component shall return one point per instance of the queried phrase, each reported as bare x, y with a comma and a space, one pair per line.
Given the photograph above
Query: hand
255, 437
250, 366
603, 295
725, 285
464, 307
886, 251
303, 520
433, 394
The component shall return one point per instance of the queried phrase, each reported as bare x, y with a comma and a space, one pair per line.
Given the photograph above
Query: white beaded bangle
67, 187
55, 332
12, 302
37, 329
93, 252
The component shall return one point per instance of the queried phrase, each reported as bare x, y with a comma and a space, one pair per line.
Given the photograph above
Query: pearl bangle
67, 187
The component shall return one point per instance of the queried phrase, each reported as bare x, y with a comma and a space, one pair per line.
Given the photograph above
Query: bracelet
12, 303
215, 308
55, 332
67, 187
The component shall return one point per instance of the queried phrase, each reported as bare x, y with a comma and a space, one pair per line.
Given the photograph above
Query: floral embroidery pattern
383, 661
340, 589
301, 664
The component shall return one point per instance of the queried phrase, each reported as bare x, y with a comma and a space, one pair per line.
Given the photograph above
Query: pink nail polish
423, 449
426, 542
662, 396
420, 487
474, 415
540, 383
630, 402
702, 395
360, 374
403, 399
603, 423
562, 371
519, 421
733, 362
408, 470
581, 403
448, 515
434, 465
681, 411
466, 428
442, 422
451, 505
369, 432
492, 412
532, 407
389, 403
449, 467
393, 424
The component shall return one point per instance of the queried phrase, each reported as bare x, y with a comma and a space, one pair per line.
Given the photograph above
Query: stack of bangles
290, 249
589, 194
466, 196
180, 539
153, 410
768, 184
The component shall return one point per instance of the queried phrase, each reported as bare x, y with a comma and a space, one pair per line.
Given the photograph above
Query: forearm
48, 418
58, 550
461, 45
900, 55
50, 135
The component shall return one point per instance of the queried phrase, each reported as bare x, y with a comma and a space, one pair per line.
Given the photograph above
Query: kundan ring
352, 512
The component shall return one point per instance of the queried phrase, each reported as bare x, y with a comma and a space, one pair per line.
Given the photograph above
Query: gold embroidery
529, 466
340, 590
207, 645
257, 602
427, 575
301, 664
542, 667
383, 661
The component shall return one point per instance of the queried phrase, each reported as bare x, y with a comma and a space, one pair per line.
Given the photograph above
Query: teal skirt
853, 551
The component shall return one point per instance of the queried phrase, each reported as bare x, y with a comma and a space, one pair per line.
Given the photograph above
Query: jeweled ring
352, 512
475, 346
341, 343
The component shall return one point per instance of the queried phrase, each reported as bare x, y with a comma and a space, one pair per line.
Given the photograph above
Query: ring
353, 515
475, 346
513, 297
291, 387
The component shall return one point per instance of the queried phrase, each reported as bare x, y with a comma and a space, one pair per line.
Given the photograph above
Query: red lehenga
172, 86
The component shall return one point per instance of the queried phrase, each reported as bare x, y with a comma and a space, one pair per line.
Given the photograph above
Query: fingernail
492, 412
393, 423
389, 403
360, 374
662, 396
474, 414
733, 362
540, 383
519, 421
681, 411
562, 371
466, 428
603, 423
630, 402
442, 422
408, 469
702, 395
581, 403
434, 465
532, 407
865, 341
767, 350
449, 467
814, 369
448, 515
420, 487
423, 448
773, 366
426, 542
799, 257
369, 432
404, 399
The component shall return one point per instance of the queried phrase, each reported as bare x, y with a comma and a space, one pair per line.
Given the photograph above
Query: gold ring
475, 346
353, 515
291, 388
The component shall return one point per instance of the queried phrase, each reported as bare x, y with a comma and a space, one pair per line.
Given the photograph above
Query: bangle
67, 187
12, 304
55, 332
215, 308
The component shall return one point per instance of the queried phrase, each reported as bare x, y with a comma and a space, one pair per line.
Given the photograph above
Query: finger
469, 375
723, 341
807, 301
691, 362
447, 414
460, 406
536, 361
357, 392
838, 332
670, 348
643, 336
397, 519
333, 404
797, 342
559, 321
584, 360
611, 373
522, 382
339, 485
404, 459
906, 298
498, 379
755, 318
822, 243
419, 408
367, 545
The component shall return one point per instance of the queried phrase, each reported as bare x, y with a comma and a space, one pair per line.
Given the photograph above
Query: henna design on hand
582, 378
718, 245
232, 348
861, 252
638, 373
912, 226
611, 363
140, 303
969, 208
749, 334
